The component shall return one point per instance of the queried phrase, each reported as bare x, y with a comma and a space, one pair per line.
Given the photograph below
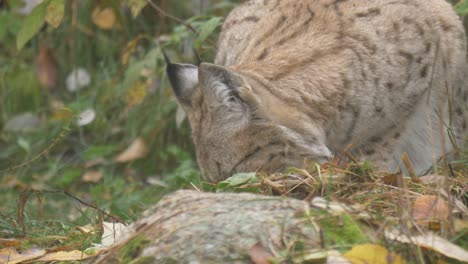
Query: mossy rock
196, 227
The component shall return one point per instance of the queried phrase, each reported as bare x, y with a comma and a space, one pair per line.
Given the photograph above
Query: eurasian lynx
300, 79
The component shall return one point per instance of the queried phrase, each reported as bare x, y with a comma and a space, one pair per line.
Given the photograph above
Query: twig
178, 20
62, 134
409, 167
95, 207
25, 194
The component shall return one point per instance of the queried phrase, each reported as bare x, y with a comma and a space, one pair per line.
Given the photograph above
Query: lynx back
305, 79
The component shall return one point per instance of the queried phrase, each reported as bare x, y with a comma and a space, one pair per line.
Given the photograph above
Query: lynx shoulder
305, 79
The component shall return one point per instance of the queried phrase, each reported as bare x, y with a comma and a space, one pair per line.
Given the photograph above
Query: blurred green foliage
119, 46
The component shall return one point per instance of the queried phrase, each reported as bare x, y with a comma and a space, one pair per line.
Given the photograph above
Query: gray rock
195, 227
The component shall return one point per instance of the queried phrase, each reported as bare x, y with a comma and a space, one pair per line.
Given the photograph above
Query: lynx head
232, 128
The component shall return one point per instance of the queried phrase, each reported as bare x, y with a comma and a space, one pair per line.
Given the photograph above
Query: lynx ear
222, 85
184, 79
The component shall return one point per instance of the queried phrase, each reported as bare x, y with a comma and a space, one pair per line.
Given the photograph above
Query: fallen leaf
9, 242
73, 255
23, 123
77, 80
86, 230
259, 254
11, 256
323, 256
46, 68
370, 253
432, 242
112, 232
156, 182
92, 176
135, 151
104, 18
430, 207
95, 162
86, 117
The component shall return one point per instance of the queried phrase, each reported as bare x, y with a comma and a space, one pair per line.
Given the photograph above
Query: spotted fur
304, 79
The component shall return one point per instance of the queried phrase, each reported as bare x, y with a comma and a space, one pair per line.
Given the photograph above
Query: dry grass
380, 193
379, 201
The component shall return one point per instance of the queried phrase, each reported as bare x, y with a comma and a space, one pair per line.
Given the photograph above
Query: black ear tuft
183, 79
166, 58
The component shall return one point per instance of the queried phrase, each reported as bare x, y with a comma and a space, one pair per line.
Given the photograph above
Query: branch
55, 141
27, 193
178, 20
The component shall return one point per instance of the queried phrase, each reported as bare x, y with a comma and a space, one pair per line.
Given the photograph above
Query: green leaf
24, 144
136, 6
207, 28
55, 11
31, 25
99, 151
237, 180
462, 8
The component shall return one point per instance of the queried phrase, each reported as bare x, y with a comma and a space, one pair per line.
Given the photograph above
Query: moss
132, 249
144, 260
341, 231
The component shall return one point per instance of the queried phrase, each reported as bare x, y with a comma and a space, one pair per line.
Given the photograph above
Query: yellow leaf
11, 256
135, 151
370, 253
54, 13
104, 18
130, 49
432, 242
92, 176
136, 94
136, 6
62, 114
64, 256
